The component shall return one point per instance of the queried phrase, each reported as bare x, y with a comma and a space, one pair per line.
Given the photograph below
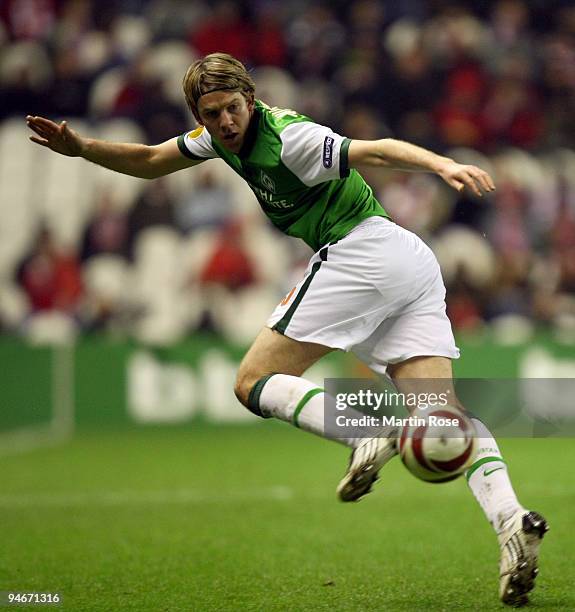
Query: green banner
107, 383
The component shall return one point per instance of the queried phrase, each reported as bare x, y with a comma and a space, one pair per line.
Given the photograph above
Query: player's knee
248, 388
243, 386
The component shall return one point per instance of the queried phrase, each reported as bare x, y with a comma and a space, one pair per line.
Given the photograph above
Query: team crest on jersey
267, 182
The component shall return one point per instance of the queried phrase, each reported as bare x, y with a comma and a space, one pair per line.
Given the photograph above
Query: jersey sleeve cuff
184, 150
343, 158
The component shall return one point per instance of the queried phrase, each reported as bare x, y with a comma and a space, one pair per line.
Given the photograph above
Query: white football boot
519, 542
364, 465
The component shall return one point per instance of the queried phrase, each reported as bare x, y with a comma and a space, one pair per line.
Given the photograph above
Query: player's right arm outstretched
142, 161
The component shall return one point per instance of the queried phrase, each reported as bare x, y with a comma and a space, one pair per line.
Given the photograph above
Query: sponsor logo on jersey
267, 198
196, 133
267, 182
328, 151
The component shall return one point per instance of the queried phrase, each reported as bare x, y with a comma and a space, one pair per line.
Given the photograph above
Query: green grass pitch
245, 518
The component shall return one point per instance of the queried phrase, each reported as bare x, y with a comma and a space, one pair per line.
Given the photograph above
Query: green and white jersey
298, 171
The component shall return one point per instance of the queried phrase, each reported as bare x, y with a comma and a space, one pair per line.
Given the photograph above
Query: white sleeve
197, 144
314, 153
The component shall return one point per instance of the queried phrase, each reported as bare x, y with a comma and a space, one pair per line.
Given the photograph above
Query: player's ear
250, 102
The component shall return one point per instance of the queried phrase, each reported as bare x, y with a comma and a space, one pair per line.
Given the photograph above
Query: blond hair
216, 72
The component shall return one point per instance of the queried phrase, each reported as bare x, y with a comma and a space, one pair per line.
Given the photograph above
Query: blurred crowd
490, 83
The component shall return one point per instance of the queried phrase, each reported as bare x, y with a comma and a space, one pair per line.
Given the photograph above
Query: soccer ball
438, 444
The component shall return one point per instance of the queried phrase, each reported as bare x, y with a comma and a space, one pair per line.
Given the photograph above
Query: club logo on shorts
267, 182
328, 151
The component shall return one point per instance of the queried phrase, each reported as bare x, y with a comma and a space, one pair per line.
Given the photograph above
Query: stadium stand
490, 84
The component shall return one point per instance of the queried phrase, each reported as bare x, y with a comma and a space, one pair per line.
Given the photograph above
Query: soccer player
371, 287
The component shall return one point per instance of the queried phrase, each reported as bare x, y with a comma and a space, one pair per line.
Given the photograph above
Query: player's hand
460, 176
55, 136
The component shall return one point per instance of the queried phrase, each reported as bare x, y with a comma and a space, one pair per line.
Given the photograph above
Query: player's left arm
396, 154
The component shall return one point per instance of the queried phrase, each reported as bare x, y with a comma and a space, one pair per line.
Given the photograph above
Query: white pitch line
30, 439
128, 498
279, 493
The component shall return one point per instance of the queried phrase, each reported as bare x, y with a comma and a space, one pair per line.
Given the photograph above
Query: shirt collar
251, 134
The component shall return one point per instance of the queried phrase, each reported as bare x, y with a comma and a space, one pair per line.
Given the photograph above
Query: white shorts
377, 292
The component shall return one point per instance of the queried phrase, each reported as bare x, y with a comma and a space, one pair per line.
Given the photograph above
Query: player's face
226, 115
